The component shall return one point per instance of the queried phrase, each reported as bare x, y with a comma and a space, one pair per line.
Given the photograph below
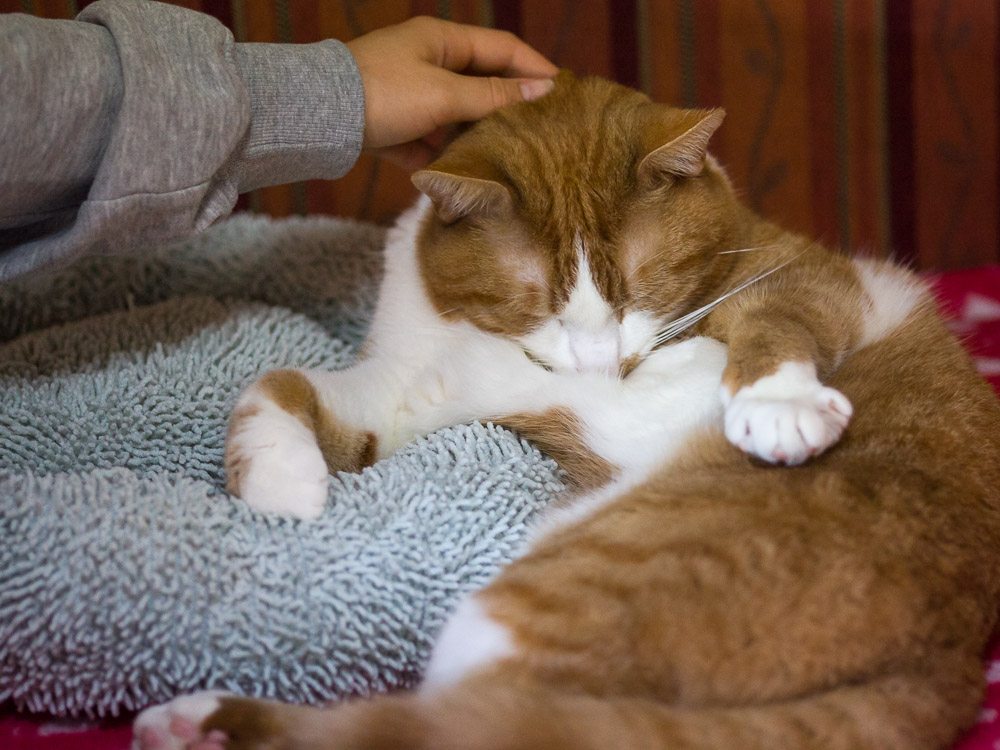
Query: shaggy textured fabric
128, 574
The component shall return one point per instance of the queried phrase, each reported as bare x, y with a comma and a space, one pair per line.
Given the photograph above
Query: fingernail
531, 90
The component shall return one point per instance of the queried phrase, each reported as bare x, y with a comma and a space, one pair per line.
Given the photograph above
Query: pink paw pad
150, 739
177, 725
183, 729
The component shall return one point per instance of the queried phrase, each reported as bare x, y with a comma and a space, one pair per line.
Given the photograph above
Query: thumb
475, 97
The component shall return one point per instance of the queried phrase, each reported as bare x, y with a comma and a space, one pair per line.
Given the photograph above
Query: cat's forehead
569, 158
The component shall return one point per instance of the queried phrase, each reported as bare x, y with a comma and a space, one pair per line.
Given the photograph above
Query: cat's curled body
689, 596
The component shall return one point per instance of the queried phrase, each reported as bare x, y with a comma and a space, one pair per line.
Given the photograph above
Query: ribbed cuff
307, 113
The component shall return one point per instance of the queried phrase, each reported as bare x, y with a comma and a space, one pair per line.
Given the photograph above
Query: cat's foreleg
292, 427
785, 341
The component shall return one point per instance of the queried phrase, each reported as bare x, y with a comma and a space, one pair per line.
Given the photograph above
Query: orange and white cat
734, 569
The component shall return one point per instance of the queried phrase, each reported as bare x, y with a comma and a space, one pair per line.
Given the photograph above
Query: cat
785, 527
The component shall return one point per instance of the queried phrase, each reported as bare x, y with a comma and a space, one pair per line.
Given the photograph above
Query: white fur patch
893, 294
586, 308
469, 641
175, 725
642, 422
585, 336
284, 471
638, 333
786, 417
980, 309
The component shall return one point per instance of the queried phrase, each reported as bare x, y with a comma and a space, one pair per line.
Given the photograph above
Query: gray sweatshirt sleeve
139, 123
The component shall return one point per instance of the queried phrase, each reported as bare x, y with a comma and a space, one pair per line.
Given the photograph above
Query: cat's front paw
274, 463
786, 417
177, 725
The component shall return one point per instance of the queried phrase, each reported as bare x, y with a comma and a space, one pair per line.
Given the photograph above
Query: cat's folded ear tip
421, 176
457, 195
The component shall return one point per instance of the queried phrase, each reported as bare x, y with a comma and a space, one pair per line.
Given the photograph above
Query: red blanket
970, 298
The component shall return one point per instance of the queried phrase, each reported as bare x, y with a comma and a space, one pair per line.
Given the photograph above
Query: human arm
139, 124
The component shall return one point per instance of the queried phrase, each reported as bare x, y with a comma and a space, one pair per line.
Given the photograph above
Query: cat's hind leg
177, 725
905, 711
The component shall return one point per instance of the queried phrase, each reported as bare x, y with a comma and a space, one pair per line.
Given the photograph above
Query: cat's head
579, 225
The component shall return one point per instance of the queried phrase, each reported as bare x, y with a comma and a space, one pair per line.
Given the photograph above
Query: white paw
177, 725
786, 417
282, 469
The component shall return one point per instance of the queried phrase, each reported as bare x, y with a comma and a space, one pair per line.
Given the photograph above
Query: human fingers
473, 97
481, 51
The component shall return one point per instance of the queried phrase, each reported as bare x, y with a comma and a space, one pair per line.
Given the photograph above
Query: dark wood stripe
366, 212
643, 48
881, 94
865, 139
283, 20
220, 9
507, 16
823, 145
300, 198
624, 41
484, 11
708, 73
239, 21
996, 133
843, 149
899, 91
662, 40
689, 66
565, 29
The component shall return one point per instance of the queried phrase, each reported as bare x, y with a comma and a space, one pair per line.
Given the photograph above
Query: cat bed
129, 575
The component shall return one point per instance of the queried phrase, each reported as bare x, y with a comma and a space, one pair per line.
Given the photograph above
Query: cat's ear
684, 145
455, 195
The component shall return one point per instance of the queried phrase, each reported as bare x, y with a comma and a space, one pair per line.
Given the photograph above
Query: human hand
425, 74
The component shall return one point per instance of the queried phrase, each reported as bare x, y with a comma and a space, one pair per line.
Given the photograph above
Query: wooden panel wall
870, 124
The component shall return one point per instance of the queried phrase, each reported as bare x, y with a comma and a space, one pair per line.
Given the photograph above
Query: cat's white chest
673, 392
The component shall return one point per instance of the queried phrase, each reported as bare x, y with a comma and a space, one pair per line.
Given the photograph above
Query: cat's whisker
648, 260
637, 296
747, 249
523, 294
681, 324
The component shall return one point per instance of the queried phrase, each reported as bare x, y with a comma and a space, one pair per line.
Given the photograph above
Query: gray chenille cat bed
128, 574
